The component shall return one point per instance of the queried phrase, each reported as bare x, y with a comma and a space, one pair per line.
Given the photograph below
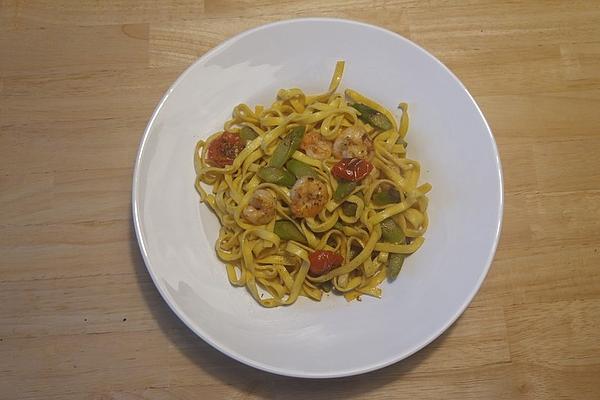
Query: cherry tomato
352, 169
322, 261
224, 149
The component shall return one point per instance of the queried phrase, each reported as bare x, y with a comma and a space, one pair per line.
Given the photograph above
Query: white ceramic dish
448, 135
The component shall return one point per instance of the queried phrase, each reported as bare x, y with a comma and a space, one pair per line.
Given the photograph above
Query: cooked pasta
314, 194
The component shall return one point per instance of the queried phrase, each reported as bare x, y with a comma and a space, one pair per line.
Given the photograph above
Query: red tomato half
352, 169
322, 261
224, 149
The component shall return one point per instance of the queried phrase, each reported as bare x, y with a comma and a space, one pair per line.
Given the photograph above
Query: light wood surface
79, 316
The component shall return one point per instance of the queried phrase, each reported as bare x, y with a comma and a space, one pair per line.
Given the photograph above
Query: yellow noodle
276, 271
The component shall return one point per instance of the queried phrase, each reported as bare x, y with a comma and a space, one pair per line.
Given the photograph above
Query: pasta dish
314, 195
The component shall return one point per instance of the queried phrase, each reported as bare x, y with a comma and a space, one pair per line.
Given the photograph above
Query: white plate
448, 135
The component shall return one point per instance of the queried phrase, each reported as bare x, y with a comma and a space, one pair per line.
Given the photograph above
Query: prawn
353, 142
309, 195
261, 207
316, 146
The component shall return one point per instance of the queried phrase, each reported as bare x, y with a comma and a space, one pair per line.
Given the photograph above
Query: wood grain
79, 316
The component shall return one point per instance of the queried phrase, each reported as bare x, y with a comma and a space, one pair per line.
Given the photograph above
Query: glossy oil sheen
448, 135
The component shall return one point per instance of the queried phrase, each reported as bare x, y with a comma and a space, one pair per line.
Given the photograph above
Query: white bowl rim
239, 357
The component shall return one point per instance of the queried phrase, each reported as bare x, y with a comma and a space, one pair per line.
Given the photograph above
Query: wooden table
79, 316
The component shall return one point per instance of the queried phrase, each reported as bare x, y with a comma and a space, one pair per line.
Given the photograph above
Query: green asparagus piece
394, 266
247, 134
386, 197
287, 147
286, 230
344, 189
372, 117
277, 176
391, 232
300, 169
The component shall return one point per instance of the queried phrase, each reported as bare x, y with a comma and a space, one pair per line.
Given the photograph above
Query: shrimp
309, 196
261, 208
353, 142
315, 145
